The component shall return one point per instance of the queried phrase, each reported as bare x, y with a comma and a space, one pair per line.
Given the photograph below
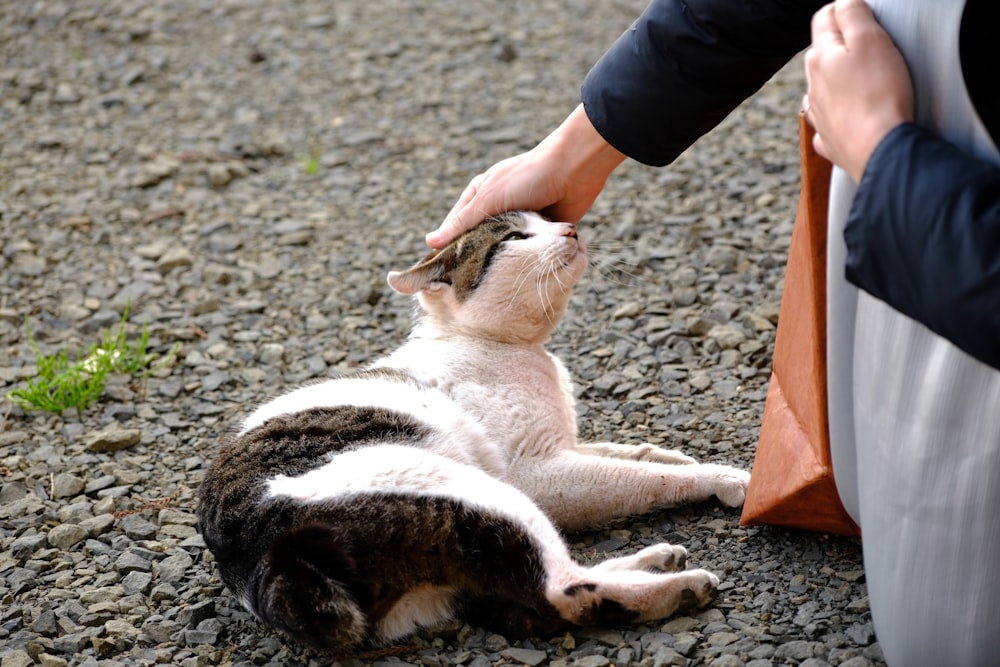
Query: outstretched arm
671, 77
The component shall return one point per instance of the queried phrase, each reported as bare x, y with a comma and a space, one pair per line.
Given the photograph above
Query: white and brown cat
433, 484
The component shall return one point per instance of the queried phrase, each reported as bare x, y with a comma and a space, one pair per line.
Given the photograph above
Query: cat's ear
435, 269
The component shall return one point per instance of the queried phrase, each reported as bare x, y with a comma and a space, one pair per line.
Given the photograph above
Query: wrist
586, 154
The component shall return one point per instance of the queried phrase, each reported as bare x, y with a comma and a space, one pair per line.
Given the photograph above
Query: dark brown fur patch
237, 525
464, 263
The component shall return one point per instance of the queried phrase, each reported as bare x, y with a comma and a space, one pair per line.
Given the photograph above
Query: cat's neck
527, 334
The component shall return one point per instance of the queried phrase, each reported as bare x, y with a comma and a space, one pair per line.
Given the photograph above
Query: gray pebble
66, 535
65, 485
137, 582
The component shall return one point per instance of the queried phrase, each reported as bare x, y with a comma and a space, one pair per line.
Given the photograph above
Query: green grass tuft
62, 383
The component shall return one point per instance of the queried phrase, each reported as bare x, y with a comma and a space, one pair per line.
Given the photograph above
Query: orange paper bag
792, 479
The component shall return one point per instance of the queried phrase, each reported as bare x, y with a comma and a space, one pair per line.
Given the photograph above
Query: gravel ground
244, 173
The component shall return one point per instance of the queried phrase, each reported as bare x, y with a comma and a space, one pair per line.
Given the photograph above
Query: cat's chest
517, 393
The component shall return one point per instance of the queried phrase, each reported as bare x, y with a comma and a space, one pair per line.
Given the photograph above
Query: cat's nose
569, 229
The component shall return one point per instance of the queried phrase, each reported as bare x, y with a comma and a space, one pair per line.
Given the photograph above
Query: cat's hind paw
663, 558
656, 558
702, 587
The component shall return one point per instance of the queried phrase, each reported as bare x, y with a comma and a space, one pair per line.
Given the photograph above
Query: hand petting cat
560, 178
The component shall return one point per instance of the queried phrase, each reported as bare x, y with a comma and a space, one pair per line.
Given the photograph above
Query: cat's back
282, 448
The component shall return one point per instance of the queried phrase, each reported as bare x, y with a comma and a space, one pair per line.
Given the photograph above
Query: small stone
132, 562
176, 256
65, 485
631, 309
680, 624
45, 624
173, 568
72, 643
137, 527
723, 638
857, 661
98, 525
700, 381
113, 438
104, 645
118, 627
194, 637
219, 175
65, 535
271, 353
196, 613
17, 659
24, 546
685, 643
795, 650
495, 643
103, 594
727, 661
665, 655
592, 661
168, 515
98, 483
163, 592
46, 660
727, 336
137, 582
160, 631
861, 634
525, 656
65, 94
12, 491
156, 171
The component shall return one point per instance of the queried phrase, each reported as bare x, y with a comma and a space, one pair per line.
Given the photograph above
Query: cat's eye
514, 236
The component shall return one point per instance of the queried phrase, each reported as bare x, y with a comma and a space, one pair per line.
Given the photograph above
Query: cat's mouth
575, 249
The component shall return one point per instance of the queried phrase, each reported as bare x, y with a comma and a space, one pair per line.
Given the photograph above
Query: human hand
858, 86
560, 178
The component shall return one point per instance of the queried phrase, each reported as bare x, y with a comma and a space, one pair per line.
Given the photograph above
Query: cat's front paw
731, 486
650, 452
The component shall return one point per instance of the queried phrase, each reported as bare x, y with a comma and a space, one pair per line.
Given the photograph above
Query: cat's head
507, 279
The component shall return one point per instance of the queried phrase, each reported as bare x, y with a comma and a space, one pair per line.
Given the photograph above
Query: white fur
422, 607
461, 438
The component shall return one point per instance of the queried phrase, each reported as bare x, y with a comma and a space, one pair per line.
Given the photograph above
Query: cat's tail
300, 588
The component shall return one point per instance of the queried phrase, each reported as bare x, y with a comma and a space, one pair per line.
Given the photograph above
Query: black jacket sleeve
684, 65
923, 235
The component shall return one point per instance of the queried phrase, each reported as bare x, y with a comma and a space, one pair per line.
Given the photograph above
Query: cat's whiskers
554, 266
613, 263
519, 281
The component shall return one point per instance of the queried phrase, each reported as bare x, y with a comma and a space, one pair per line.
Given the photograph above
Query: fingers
825, 31
858, 86
453, 225
820, 147
854, 19
467, 212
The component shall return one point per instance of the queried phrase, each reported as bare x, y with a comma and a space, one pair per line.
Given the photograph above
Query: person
904, 103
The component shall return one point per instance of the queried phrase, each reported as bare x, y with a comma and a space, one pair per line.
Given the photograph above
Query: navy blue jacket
924, 230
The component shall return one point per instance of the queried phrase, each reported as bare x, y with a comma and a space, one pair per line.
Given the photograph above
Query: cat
433, 484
